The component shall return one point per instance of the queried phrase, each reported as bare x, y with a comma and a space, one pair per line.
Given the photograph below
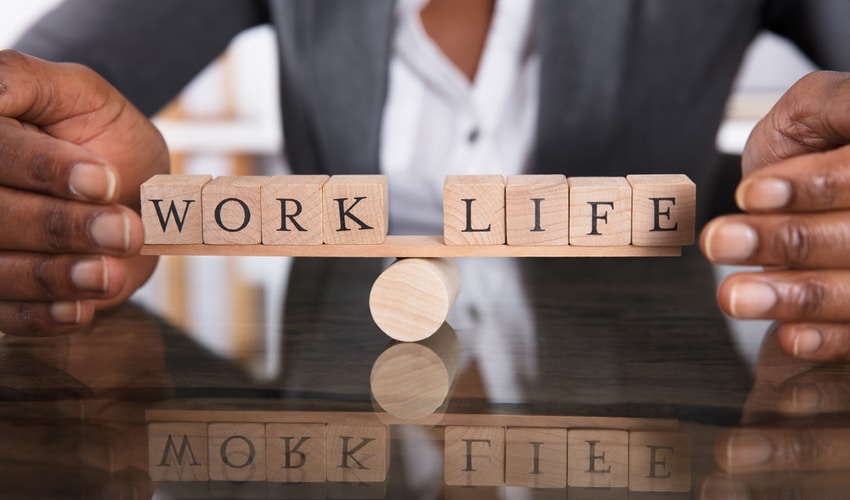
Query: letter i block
659, 461
292, 209
357, 453
356, 209
232, 210
663, 210
598, 458
237, 451
600, 211
537, 210
171, 209
295, 453
536, 457
474, 456
474, 210
177, 451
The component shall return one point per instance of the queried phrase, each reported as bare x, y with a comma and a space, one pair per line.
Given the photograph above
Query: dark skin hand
74, 152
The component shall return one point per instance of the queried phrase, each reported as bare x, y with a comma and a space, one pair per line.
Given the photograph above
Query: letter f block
171, 209
356, 209
600, 211
474, 210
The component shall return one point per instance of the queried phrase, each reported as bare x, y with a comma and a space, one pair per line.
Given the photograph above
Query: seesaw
346, 216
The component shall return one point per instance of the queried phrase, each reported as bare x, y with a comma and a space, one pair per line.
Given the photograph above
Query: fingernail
806, 341
805, 397
92, 182
111, 231
730, 242
751, 299
766, 193
723, 488
68, 313
90, 275
745, 450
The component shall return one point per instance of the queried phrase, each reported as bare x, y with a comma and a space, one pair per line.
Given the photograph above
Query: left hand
796, 194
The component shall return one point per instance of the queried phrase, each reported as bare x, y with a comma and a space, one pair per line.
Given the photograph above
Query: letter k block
355, 209
171, 209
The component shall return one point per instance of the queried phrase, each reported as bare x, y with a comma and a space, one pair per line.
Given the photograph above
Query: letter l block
474, 210
171, 209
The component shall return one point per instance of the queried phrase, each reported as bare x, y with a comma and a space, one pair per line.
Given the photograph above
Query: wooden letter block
171, 209
659, 461
474, 210
232, 210
177, 451
537, 210
237, 451
292, 209
600, 211
663, 210
598, 458
356, 209
474, 456
536, 457
358, 453
295, 453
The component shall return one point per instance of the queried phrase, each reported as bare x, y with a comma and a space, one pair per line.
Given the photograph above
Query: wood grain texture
177, 451
598, 458
663, 209
296, 453
171, 209
536, 457
474, 210
356, 210
232, 210
600, 211
292, 209
357, 453
237, 451
659, 461
537, 210
474, 456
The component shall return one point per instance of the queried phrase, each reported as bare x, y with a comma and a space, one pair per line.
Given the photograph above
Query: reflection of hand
85, 436
793, 423
74, 153
796, 190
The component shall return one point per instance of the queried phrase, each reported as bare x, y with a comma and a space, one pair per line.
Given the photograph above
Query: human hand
73, 153
796, 194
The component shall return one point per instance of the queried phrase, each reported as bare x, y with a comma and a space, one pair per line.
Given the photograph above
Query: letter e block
177, 451
295, 453
171, 209
357, 453
232, 210
237, 451
536, 457
537, 210
659, 461
474, 456
474, 210
663, 210
598, 458
600, 211
356, 209
292, 209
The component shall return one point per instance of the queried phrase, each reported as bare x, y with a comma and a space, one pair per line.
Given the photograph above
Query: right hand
73, 153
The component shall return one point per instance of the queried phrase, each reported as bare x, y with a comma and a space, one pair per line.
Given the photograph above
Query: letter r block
600, 211
474, 456
177, 451
537, 210
237, 451
357, 453
356, 209
171, 209
232, 210
663, 210
295, 453
474, 210
598, 458
292, 209
536, 457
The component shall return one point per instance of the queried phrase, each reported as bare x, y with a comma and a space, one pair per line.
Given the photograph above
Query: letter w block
171, 209
177, 451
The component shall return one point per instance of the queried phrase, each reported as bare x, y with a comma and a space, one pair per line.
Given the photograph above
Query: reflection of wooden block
177, 451
358, 490
356, 209
171, 209
237, 451
537, 210
475, 493
536, 457
474, 210
474, 456
295, 453
232, 210
302, 491
663, 210
600, 211
598, 458
292, 209
659, 461
357, 453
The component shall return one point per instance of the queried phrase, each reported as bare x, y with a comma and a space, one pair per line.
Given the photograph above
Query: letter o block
233, 211
237, 451
474, 210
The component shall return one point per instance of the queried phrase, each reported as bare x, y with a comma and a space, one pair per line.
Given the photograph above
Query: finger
815, 182
43, 277
799, 296
816, 341
811, 116
35, 161
789, 449
44, 319
817, 240
817, 392
33, 222
811, 485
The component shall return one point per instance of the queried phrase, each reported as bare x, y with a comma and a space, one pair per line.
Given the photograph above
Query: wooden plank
414, 246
